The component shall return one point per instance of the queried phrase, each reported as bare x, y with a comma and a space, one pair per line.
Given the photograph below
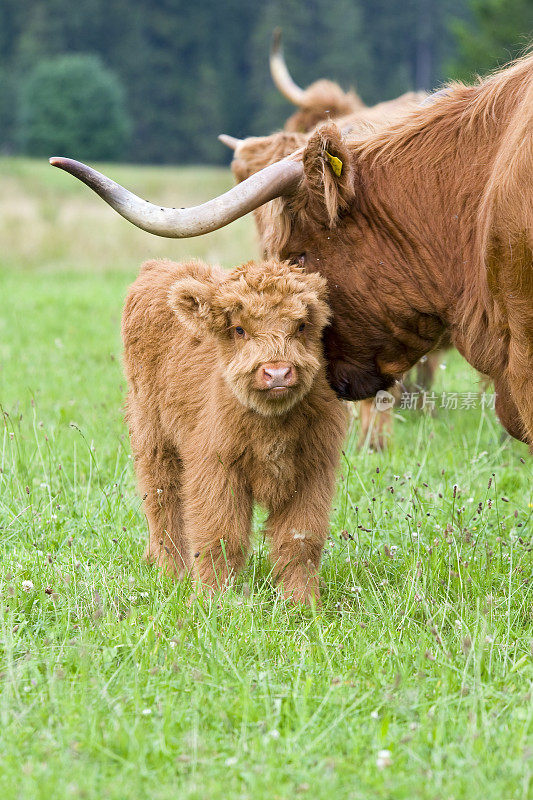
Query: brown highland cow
229, 404
425, 231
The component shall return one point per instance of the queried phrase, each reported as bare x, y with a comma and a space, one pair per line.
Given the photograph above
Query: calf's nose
277, 375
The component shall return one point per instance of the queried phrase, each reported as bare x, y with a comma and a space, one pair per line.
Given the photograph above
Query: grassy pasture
112, 686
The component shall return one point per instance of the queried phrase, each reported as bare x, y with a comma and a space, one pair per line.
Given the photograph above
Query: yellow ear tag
336, 164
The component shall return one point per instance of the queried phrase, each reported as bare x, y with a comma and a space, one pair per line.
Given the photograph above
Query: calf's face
267, 320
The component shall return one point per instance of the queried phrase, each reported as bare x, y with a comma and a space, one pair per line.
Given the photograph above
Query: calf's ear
191, 297
328, 175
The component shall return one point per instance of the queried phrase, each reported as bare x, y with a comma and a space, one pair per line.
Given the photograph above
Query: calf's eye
301, 327
240, 331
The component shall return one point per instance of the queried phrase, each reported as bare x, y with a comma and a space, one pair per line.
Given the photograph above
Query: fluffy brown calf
229, 405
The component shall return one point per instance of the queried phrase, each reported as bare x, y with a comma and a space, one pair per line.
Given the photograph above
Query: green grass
112, 686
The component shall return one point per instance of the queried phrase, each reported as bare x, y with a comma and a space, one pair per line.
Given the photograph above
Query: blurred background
155, 82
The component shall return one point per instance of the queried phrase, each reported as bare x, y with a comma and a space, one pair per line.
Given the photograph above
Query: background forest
157, 81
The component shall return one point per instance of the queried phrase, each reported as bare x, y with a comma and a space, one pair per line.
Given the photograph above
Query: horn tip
276, 41
61, 162
229, 141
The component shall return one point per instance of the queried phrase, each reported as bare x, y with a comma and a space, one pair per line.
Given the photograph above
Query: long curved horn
280, 73
230, 141
180, 223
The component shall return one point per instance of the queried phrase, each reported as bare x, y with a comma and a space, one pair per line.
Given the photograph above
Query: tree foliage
193, 70
496, 32
73, 105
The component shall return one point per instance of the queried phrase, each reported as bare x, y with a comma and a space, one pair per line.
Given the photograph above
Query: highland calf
229, 404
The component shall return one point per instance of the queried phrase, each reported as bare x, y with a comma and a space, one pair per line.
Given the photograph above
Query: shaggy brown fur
210, 438
375, 117
323, 99
433, 233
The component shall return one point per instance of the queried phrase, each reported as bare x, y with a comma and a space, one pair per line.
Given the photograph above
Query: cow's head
267, 320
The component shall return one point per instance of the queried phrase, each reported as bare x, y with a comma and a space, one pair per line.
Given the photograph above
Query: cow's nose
276, 376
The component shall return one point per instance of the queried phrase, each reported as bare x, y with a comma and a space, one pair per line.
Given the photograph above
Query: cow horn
230, 141
280, 73
273, 181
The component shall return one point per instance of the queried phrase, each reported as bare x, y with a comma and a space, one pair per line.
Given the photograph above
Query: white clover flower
384, 759
146, 712
27, 586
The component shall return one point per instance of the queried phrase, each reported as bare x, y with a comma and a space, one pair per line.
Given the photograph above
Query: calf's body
211, 430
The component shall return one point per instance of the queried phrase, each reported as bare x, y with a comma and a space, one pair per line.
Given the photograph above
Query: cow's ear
191, 296
328, 174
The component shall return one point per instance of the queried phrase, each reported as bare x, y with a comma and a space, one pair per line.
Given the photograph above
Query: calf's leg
298, 532
217, 518
160, 474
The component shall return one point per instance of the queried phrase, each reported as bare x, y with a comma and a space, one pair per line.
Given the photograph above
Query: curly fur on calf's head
266, 313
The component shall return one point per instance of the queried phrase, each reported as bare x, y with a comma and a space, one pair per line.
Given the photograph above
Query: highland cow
229, 405
423, 229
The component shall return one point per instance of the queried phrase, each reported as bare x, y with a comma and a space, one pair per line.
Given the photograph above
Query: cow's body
325, 100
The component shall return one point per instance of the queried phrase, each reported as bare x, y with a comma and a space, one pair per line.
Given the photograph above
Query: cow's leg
217, 517
160, 476
515, 282
520, 379
426, 369
375, 426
